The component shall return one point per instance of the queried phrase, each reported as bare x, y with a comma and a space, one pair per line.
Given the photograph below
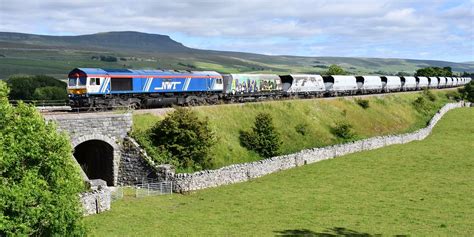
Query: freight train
97, 88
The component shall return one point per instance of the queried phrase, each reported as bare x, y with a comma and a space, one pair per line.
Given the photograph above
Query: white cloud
301, 26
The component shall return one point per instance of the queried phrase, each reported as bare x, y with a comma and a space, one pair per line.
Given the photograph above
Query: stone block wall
243, 172
135, 166
96, 201
115, 126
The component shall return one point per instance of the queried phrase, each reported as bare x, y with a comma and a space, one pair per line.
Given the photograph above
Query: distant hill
56, 55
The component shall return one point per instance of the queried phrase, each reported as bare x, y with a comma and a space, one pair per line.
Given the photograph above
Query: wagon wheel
134, 106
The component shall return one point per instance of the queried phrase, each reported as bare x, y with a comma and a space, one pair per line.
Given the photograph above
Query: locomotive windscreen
121, 84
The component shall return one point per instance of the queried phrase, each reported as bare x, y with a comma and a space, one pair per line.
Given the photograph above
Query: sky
418, 29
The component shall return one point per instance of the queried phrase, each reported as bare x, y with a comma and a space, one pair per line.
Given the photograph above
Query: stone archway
98, 157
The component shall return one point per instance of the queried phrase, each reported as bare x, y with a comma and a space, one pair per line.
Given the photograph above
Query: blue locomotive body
106, 87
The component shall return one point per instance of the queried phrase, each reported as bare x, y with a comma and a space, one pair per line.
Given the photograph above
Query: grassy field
386, 115
423, 188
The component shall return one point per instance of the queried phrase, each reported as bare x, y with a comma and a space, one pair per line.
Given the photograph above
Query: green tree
468, 91
24, 87
263, 139
335, 70
434, 72
186, 138
39, 181
50, 93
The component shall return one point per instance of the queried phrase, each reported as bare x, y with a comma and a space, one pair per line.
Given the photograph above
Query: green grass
388, 115
422, 188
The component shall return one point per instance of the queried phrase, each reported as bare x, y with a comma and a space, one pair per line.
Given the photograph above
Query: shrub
423, 105
343, 131
263, 139
186, 138
302, 128
39, 181
429, 95
363, 103
454, 95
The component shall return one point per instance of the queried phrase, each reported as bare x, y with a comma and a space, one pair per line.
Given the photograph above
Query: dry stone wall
243, 172
135, 165
96, 201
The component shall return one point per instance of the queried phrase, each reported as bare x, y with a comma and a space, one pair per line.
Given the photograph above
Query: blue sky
435, 29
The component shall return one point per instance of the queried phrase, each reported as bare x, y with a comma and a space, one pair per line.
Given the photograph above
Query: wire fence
153, 189
117, 193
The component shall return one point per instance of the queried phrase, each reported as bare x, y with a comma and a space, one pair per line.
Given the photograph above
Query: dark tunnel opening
96, 160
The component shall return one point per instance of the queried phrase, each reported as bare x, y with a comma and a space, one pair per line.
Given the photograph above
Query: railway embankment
385, 115
244, 172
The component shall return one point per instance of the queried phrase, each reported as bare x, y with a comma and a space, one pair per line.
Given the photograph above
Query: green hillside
422, 188
56, 55
391, 114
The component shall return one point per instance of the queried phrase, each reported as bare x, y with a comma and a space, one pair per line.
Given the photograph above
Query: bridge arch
98, 156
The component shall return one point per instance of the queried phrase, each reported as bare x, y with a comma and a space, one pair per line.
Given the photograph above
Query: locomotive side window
94, 82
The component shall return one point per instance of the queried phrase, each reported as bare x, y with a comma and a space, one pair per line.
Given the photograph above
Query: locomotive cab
77, 84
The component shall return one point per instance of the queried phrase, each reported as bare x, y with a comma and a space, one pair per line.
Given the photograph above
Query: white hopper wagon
442, 82
338, 85
408, 83
422, 82
449, 81
369, 84
391, 83
298, 84
434, 82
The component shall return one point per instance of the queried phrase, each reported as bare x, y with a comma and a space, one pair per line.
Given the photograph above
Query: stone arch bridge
103, 149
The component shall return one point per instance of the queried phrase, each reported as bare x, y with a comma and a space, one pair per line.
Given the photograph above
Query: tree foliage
467, 92
24, 88
264, 138
39, 181
335, 70
50, 93
343, 131
186, 138
434, 72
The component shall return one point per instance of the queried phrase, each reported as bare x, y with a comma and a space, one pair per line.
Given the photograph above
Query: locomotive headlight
77, 91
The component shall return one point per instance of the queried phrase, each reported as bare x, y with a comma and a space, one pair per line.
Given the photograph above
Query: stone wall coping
74, 116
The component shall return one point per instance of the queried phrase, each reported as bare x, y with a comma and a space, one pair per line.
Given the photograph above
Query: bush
423, 105
429, 95
363, 103
302, 128
454, 95
343, 131
263, 139
185, 138
40, 182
